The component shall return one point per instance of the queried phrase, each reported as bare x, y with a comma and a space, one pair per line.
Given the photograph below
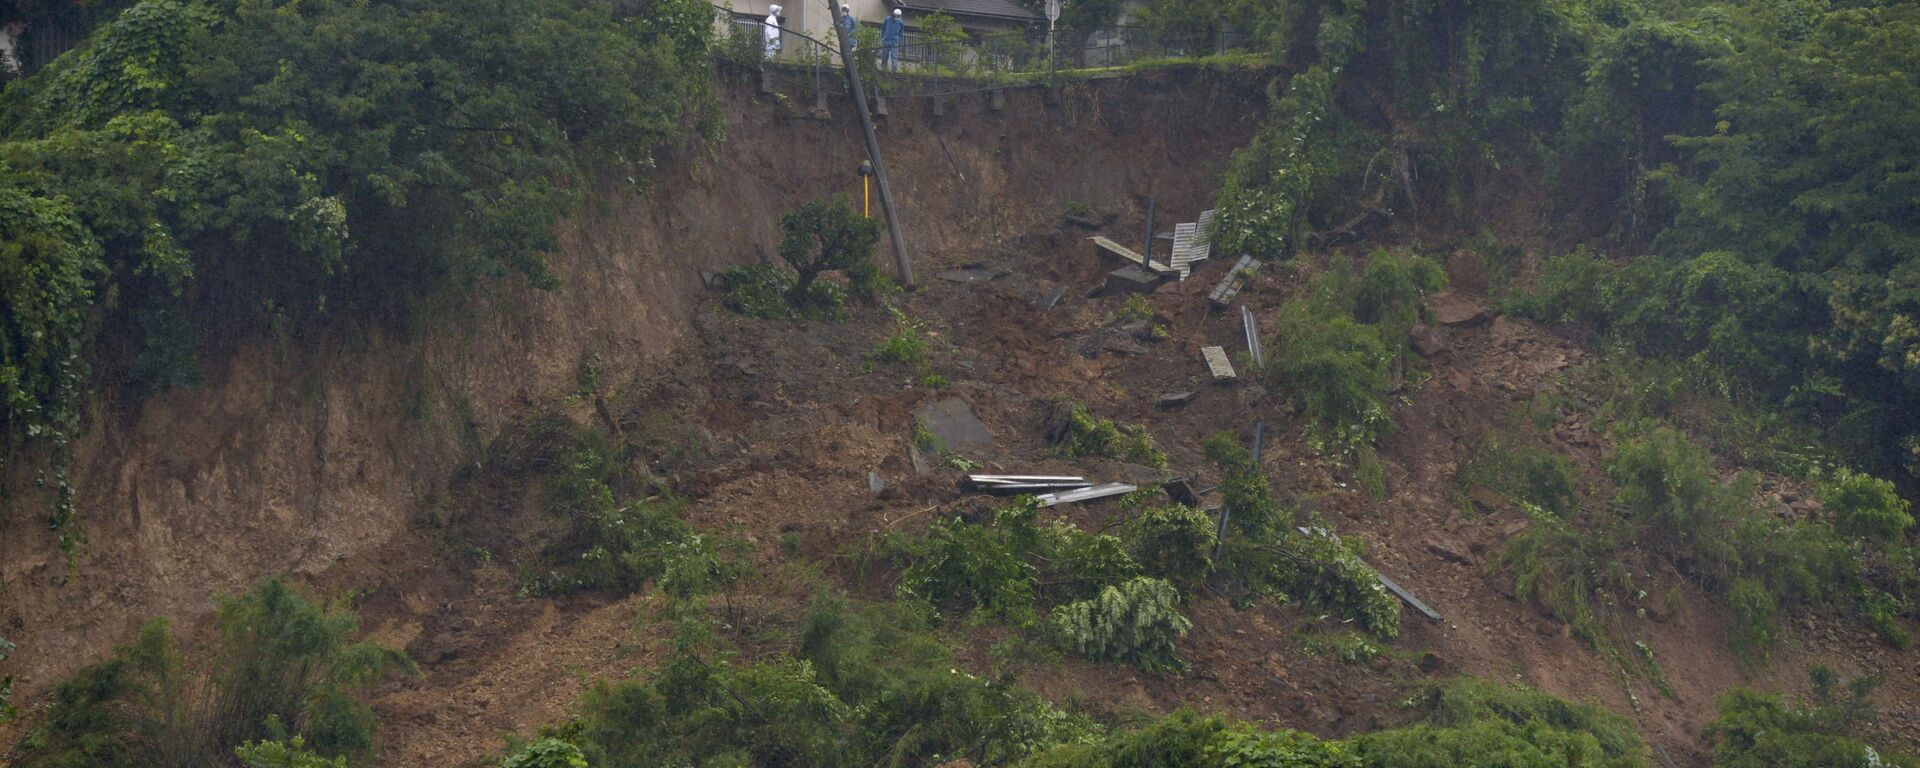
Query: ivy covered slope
202, 166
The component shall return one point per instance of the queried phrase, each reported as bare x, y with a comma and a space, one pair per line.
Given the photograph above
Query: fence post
939, 106
819, 94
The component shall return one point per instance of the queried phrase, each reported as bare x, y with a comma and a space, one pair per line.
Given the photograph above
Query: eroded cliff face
304, 457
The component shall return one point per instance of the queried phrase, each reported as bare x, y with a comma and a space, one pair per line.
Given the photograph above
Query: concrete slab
951, 421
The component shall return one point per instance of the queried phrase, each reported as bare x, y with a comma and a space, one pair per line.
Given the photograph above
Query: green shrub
1085, 435
907, 347
1567, 568
1081, 564
759, 290
1756, 730
1134, 309
1266, 559
1866, 507
1137, 622
981, 567
1325, 572
1536, 476
865, 686
1172, 542
1569, 290
609, 544
1390, 292
1336, 370
283, 666
546, 753
1474, 722
284, 754
821, 237
1244, 490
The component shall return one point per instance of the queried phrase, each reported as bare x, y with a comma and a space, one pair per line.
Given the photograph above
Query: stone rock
1450, 551
1427, 341
1453, 309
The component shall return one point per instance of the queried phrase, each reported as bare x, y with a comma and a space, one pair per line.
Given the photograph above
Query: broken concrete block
952, 423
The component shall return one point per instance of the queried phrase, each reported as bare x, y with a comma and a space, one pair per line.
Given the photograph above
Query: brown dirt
312, 461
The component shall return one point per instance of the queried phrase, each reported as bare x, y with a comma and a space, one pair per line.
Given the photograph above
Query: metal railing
960, 65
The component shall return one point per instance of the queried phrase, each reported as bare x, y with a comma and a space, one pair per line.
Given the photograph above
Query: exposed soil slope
365, 466
301, 455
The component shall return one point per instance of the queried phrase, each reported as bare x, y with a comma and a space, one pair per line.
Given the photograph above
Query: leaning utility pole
873, 146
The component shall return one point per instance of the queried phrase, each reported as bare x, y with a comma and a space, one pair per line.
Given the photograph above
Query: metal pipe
873, 149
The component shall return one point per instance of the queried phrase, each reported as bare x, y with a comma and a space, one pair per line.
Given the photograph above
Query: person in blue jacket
890, 34
852, 27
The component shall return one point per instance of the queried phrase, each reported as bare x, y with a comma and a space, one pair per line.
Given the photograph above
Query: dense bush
1137, 622
1467, 722
1325, 572
1265, 558
1670, 504
609, 543
1084, 435
864, 686
1186, 738
546, 753
1472, 722
284, 754
283, 666
1338, 343
1757, 730
1173, 542
1337, 371
1866, 506
1525, 473
980, 567
223, 168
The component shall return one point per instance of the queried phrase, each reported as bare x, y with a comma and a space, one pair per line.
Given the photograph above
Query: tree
822, 237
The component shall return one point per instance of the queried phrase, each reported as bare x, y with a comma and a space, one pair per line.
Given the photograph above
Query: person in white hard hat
890, 34
772, 29
852, 26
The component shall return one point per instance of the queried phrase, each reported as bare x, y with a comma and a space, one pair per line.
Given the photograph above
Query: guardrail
957, 65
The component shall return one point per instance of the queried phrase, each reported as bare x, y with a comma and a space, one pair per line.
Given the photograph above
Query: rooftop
998, 9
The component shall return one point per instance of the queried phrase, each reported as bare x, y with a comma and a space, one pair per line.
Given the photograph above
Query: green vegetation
861, 686
907, 348
606, 542
1756, 730
1525, 474
278, 165
1264, 557
1474, 722
1172, 541
6, 682
1136, 622
1467, 722
1338, 344
820, 237
283, 668
547, 753
284, 754
1084, 435
1866, 507
1669, 504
